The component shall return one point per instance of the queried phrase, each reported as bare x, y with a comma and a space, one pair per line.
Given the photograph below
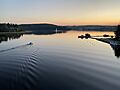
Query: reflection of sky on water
80, 64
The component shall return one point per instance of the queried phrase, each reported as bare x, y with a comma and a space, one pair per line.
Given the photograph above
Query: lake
58, 61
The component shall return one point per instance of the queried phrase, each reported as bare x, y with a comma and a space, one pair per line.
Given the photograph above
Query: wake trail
14, 48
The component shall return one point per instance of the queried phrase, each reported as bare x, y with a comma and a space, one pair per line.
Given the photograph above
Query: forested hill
93, 28
33, 27
51, 27
9, 27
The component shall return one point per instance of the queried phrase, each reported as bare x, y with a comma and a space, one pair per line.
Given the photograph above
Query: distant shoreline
21, 32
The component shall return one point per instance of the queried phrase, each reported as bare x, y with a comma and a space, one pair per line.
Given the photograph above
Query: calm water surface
59, 62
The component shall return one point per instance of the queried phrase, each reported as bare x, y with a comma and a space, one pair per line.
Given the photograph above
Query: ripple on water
67, 64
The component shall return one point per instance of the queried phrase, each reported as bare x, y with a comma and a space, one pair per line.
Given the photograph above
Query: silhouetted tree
117, 33
9, 27
87, 35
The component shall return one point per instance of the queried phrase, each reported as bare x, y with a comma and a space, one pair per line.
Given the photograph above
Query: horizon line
65, 24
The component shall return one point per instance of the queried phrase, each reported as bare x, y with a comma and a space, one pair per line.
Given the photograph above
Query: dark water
58, 62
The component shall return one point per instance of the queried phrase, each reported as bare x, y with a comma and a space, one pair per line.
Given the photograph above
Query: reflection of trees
113, 43
7, 37
47, 32
116, 50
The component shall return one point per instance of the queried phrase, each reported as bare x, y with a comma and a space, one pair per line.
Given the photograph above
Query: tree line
117, 33
7, 27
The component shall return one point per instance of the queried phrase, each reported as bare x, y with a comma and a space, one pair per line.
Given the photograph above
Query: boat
30, 43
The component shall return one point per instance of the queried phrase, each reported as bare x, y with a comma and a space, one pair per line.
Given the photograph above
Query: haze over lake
58, 62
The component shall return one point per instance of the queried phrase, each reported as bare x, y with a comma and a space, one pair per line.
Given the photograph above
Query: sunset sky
63, 12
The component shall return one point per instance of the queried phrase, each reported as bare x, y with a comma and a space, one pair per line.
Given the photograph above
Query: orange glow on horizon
65, 21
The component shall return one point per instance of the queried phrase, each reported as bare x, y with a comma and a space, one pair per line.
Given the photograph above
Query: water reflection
6, 37
47, 32
116, 50
79, 64
113, 44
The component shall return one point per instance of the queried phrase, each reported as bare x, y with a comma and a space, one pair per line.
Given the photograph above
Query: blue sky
65, 12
